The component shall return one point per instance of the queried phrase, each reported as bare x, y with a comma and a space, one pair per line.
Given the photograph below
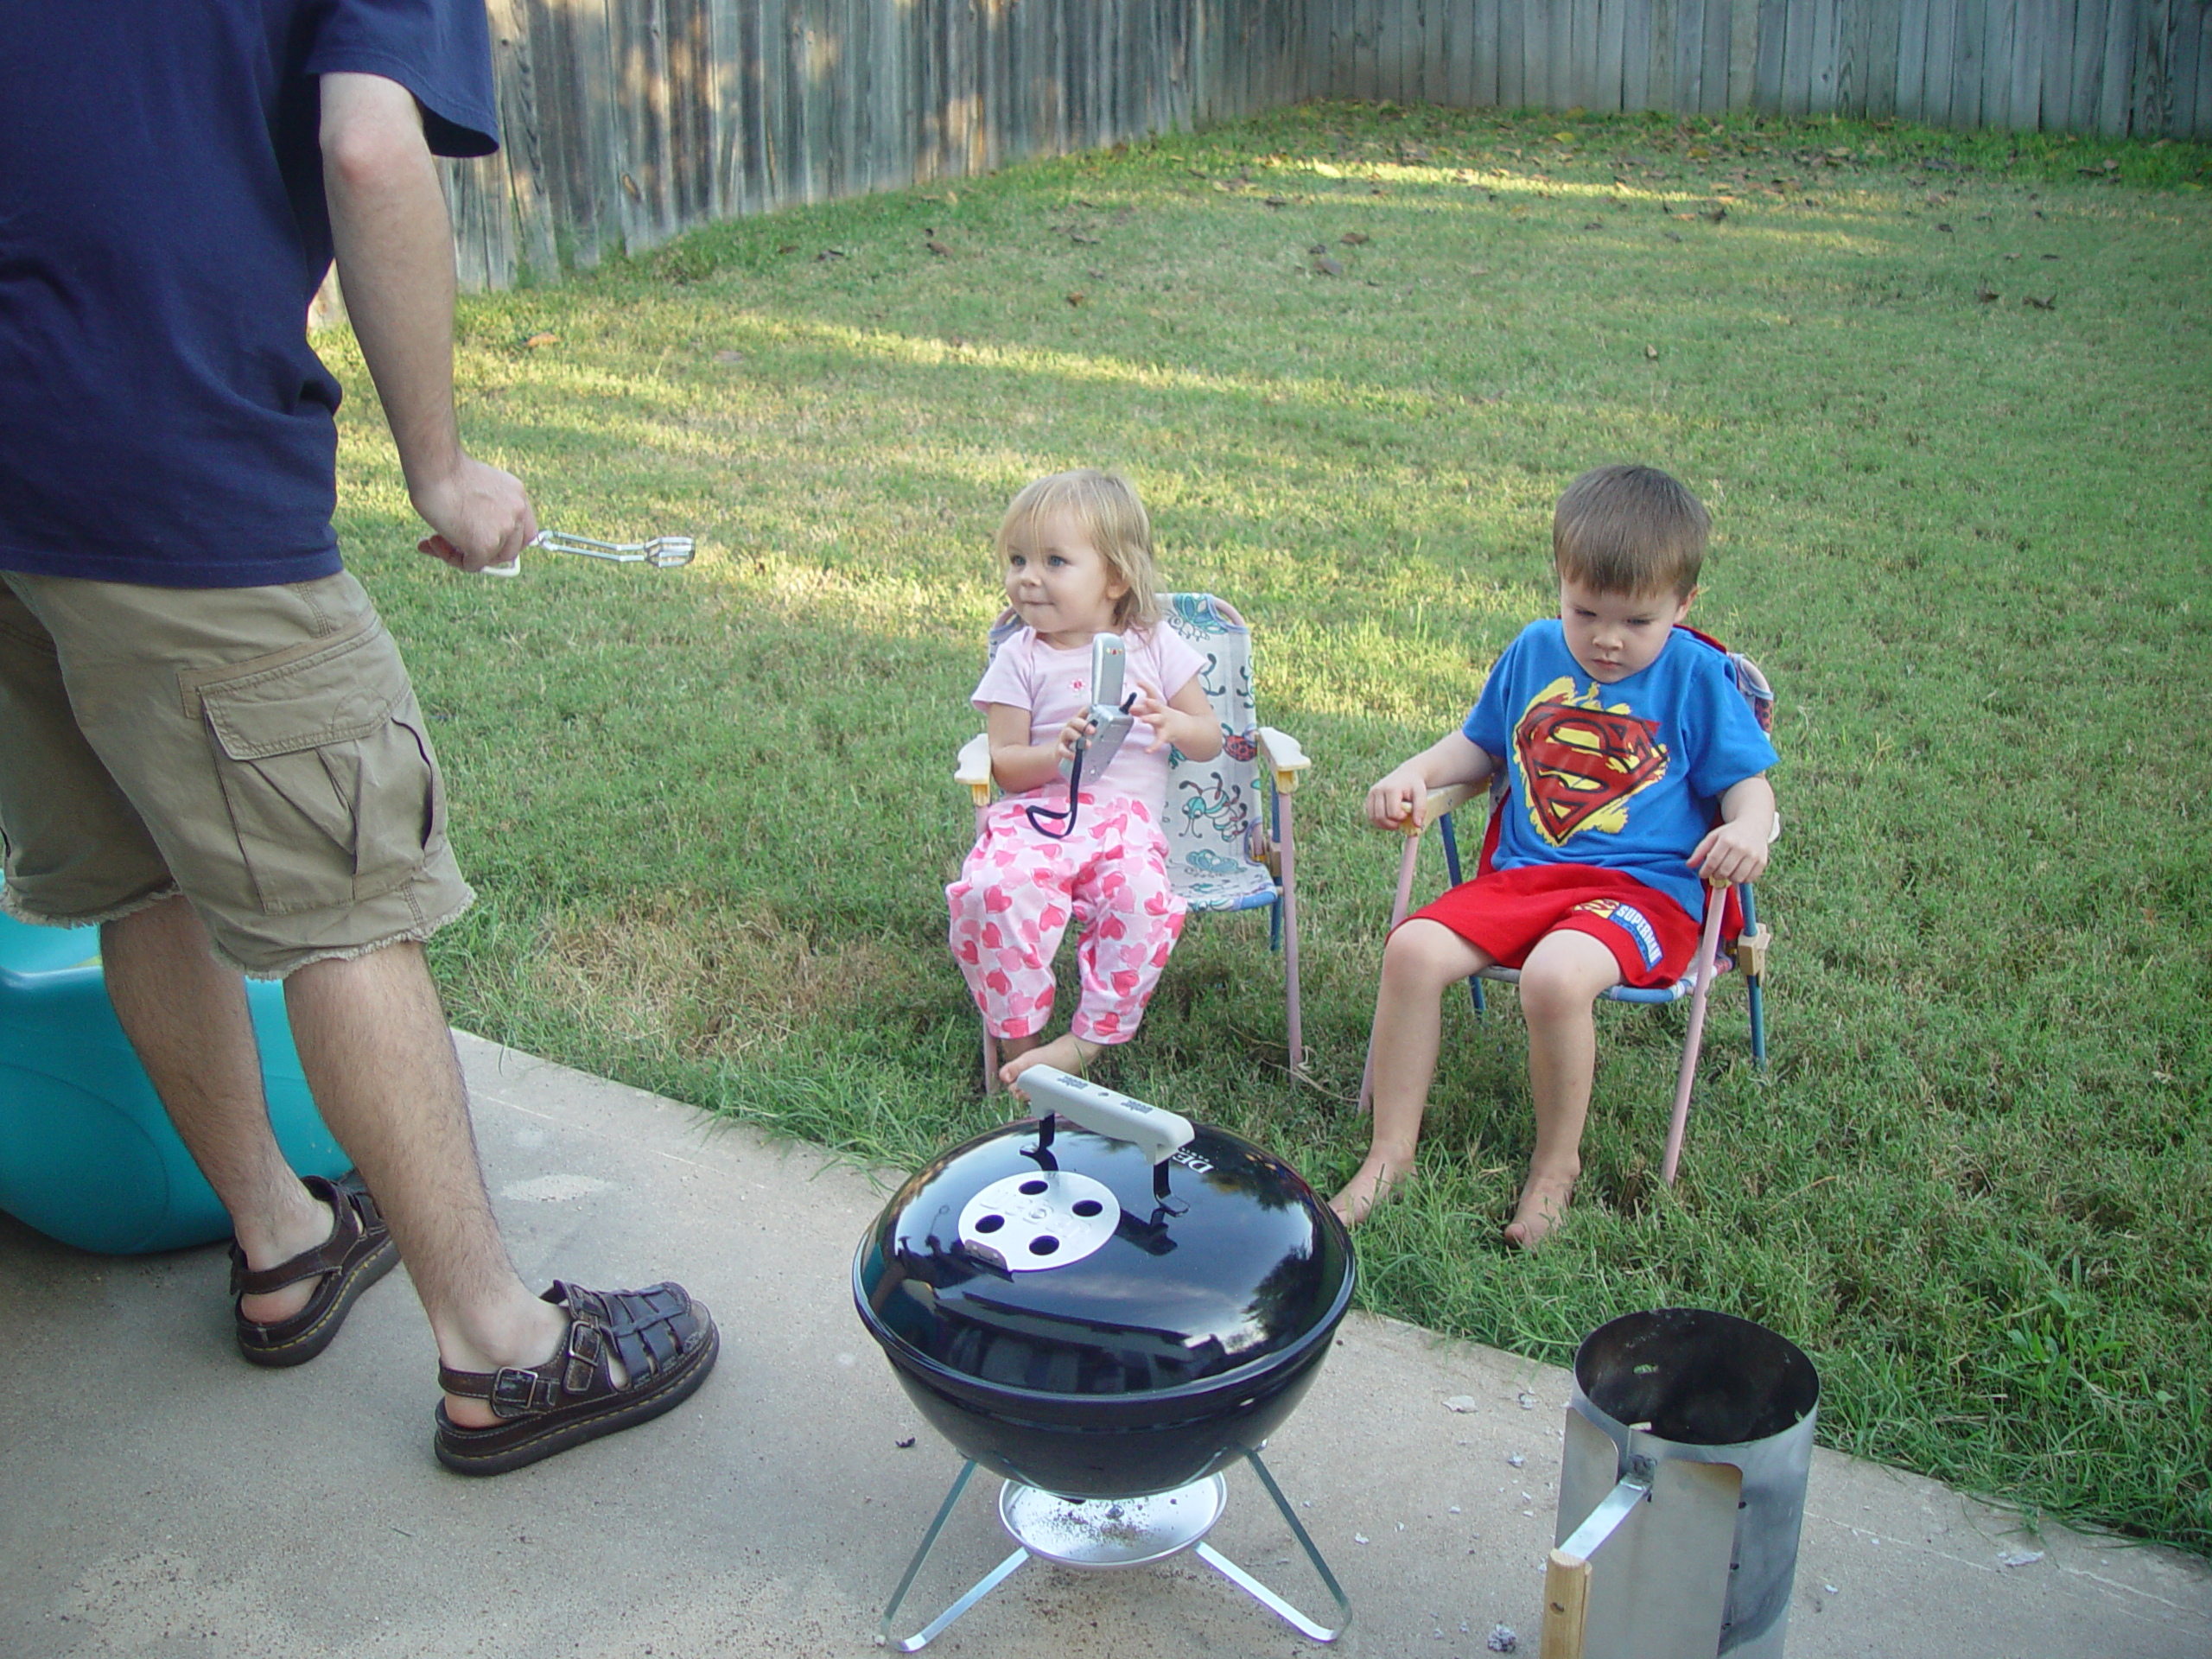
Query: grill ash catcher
1681, 1493
1107, 1309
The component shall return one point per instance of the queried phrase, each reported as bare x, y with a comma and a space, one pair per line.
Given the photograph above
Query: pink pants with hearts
1019, 889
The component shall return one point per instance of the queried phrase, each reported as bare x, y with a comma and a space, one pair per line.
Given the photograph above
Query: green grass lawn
1949, 398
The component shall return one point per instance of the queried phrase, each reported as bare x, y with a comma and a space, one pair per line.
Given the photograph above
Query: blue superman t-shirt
1628, 776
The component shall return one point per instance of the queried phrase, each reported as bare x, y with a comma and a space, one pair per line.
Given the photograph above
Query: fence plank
1582, 35
1767, 76
1612, 46
1854, 23
1742, 53
1967, 54
1827, 59
1880, 77
1559, 48
1636, 54
2201, 126
1797, 56
1712, 67
2152, 83
2000, 29
2182, 67
1912, 58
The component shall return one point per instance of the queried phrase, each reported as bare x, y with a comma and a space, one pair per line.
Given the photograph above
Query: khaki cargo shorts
258, 749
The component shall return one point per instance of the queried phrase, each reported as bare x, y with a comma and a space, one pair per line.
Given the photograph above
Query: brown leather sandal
358, 1253
665, 1343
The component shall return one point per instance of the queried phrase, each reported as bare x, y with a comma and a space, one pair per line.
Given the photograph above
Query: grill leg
1266, 1598
983, 1586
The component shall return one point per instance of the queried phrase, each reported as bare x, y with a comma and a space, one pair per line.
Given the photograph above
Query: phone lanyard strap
1036, 815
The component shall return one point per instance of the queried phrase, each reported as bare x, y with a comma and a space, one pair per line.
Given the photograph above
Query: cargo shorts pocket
331, 782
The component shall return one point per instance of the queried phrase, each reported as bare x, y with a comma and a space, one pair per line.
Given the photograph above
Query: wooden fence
627, 121
2112, 67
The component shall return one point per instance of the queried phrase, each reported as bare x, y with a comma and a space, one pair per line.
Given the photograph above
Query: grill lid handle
1157, 1133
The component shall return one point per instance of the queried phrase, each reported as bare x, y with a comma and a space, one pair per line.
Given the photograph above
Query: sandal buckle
515, 1390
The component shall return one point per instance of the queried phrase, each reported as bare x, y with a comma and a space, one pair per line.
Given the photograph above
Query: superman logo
1579, 765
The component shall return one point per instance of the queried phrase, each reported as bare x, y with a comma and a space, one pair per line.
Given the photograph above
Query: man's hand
478, 516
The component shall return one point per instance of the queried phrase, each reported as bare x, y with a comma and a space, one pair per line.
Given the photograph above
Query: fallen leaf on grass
543, 339
1326, 266
1943, 227
1355, 238
1715, 216
1595, 224
1651, 351
937, 248
2040, 305
1987, 295
788, 247
729, 356
827, 254
1078, 299
1278, 201
1671, 236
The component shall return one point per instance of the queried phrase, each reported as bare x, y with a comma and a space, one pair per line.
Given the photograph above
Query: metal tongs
662, 552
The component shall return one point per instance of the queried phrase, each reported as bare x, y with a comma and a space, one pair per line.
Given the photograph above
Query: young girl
1076, 549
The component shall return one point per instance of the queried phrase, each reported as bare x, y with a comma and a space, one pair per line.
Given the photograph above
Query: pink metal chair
1746, 951
1228, 851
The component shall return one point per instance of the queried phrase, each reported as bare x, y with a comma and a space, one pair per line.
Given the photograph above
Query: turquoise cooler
88, 1155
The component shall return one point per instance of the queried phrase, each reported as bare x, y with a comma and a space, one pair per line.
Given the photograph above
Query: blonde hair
1106, 506
1630, 531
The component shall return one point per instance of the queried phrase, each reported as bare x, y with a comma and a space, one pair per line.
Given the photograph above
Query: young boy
1634, 776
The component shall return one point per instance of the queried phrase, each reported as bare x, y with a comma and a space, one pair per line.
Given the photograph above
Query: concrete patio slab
160, 1498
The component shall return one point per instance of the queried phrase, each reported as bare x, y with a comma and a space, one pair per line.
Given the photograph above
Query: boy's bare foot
1066, 1053
1543, 1205
1377, 1179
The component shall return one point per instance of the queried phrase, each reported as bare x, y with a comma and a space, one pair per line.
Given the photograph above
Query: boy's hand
1401, 798
1732, 853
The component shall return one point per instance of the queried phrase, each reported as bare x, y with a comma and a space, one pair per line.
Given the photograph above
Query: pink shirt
1054, 686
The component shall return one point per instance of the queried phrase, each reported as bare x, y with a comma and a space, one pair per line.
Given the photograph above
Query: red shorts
1504, 913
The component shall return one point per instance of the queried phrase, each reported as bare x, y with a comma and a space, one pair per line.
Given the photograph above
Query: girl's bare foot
1066, 1053
1544, 1204
1377, 1179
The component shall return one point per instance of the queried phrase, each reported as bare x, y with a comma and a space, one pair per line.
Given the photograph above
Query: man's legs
185, 1014
1560, 985
1420, 961
373, 1042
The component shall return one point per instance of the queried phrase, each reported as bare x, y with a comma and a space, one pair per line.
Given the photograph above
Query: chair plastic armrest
1284, 757
975, 767
1752, 949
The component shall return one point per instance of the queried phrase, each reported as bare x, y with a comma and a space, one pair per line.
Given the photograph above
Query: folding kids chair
1747, 950
1223, 852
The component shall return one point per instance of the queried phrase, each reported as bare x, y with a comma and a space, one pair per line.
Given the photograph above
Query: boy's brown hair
1630, 530
1106, 505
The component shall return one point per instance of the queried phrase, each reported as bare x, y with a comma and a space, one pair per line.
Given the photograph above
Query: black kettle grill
1107, 1308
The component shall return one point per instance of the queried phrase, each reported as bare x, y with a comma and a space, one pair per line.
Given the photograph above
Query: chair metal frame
1268, 841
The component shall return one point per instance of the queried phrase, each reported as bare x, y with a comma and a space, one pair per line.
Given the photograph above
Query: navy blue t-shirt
163, 229
1628, 775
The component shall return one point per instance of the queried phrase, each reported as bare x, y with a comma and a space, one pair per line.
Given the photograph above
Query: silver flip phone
1108, 710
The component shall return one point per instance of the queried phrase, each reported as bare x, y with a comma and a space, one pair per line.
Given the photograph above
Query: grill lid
1057, 1259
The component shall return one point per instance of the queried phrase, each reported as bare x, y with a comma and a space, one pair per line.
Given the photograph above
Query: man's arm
395, 263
